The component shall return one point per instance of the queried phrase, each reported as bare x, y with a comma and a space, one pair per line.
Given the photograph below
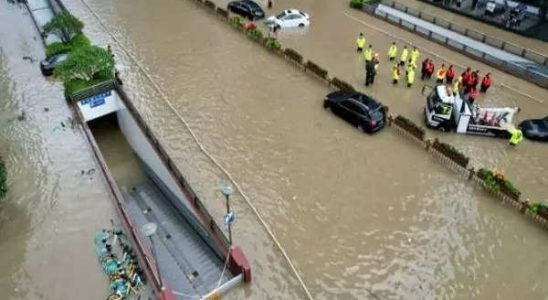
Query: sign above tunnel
99, 105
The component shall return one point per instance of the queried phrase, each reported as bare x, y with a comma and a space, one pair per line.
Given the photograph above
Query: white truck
447, 111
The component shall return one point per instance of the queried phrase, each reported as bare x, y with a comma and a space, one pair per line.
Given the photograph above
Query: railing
472, 33
509, 67
102, 87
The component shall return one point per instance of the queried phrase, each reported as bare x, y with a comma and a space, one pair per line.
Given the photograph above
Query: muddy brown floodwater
52, 211
362, 217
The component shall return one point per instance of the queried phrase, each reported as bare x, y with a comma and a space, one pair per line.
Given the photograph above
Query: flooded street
52, 211
362, 217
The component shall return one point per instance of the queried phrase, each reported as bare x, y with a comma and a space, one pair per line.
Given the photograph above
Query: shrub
342, 85
86, 63
410, 127
321, 72
273, 44
255, 34
64, 25
77, 41
356, 3
237, 22
3, 175
451, 152
539, 208
496, 181
294, 55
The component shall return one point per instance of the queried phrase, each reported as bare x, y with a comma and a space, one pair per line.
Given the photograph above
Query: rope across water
227, 174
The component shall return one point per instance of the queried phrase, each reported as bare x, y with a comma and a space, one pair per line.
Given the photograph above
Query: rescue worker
392, 51
449, 75
429, 69
472, 95
376, 61
414, 56
424, 68
403, 56
485, 83
360, 42
395, 74
440, 75
516, 136
457, 86
410, 74
371, 70
368, 54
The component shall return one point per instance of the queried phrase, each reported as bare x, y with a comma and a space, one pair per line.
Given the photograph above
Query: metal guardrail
532, 55
102, 87
514, 69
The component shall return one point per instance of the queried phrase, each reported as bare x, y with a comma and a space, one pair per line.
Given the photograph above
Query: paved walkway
461, 39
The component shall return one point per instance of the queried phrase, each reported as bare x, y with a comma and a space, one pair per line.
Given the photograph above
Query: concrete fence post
483, 38
420, 14
466, 31
503, 45
450, 26
523, 51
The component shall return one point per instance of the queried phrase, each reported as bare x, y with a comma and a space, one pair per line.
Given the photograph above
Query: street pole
227, 190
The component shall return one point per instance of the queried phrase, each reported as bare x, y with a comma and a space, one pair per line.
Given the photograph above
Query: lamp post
149, 230
227, 190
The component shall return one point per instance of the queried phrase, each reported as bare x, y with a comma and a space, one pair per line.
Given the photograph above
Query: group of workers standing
466, 83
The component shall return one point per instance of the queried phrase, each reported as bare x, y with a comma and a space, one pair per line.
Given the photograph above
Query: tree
86, 63
64, 25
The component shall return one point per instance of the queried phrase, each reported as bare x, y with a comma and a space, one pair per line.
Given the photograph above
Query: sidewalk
530, 26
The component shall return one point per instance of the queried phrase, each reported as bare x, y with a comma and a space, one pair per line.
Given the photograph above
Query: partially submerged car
535, 129
247, 9
358, 109
289, 18
48, 65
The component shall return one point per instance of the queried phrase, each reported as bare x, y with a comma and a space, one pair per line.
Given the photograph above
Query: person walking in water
392, 51
368, 54
360, 42
403, 56
395, 74
449, 75
414, 56
485, 83
371, 70
410, 74
457, 86
440, 75
429, 69
424, 67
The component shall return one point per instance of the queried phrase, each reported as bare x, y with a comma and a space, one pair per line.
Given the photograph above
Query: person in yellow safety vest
457, 85
411, 74
414, 56
360, 42
516, 136
403, 56
440, 75
392, 51
368, 54
395, 74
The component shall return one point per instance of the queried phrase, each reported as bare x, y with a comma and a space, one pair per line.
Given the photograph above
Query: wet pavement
52, 210
361, 216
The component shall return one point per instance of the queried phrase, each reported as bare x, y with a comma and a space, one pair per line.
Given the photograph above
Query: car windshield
281, 15
376, 114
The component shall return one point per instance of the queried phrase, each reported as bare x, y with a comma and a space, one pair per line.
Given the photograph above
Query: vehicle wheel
442, 129
325, 105
301, 25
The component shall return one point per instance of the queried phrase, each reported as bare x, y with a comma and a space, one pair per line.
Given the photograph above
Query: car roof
251, 3
366, 100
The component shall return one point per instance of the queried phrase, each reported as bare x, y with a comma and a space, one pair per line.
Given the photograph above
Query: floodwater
52, 211
362, 217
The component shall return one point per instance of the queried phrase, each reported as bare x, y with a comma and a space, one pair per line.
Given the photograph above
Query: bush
538, 208
495, 181
452, 153
237, 22
86, 63
255, 34
64, 25
321, 72
273, 44
356, 3
3, 175
410, 127
294, 55
342, 85
77, 41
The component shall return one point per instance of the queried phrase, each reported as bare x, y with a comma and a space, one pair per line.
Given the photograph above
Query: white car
289, 18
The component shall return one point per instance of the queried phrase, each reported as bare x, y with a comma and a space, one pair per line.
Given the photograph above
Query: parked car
289, 18
535, 129
48, 65
247, 9
358, 109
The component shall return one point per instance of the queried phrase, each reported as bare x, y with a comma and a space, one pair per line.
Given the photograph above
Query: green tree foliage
77, 41
64, 25
3, 186
86, 63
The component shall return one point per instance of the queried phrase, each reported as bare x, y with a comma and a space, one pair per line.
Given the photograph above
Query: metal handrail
471, 33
